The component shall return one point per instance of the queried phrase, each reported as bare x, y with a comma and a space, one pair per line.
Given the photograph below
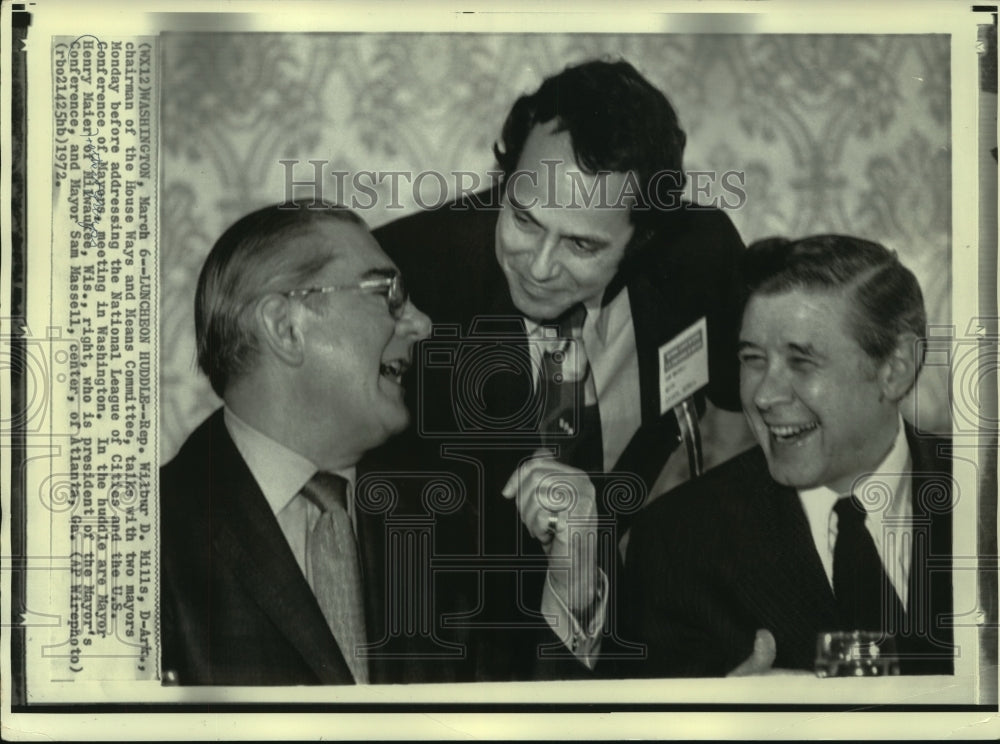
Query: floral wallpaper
834, 133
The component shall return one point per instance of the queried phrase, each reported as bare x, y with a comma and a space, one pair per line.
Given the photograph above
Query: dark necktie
333, 566
571, 420
866, 599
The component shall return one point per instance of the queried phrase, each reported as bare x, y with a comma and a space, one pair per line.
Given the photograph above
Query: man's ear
279, 330
898, 373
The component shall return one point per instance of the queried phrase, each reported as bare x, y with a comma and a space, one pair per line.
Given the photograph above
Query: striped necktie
571, 420
334, 568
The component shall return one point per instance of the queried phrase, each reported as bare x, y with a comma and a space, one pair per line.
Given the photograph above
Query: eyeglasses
390, 287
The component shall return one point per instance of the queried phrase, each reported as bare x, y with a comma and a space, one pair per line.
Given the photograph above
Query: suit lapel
650, 322
371, 546
781, 578
247, 537
652, 326
930, 494
930, 582
505, 379
787, 570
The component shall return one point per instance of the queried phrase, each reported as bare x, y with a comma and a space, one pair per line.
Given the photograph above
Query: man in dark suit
841, 518
304, 329
587, 217
281, 562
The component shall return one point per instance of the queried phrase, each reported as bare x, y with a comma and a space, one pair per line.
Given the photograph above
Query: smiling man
816, 401
270, 571
841, 518
588, 220
586, 237
553, 256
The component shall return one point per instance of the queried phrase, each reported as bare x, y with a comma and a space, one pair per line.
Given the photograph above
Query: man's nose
544, 264
413, 322
771, 388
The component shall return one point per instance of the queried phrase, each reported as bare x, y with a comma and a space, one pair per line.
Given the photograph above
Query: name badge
683, 365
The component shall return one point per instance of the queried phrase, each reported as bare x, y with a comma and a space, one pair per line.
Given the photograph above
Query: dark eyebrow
746, 345
592, 239
599, 242
805, 350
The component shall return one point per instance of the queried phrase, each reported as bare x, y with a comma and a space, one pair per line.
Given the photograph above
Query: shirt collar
280, 472
536, 330
886, 476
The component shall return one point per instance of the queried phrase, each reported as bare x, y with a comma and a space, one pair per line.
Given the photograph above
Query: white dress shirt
281, 474
885, 493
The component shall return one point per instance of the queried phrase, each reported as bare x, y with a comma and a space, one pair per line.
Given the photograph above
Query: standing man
841, 518
585, 238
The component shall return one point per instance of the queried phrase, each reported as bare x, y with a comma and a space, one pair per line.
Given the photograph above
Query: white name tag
683, 365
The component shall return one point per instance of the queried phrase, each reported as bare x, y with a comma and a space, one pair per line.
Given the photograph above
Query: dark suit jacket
448, 260
471, 387
235, 607
715, 560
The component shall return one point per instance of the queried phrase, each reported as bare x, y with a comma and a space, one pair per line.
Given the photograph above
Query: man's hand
557, 504
761, 659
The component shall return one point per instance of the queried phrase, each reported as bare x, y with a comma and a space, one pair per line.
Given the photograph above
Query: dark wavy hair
885, 296
246, 263
617, 121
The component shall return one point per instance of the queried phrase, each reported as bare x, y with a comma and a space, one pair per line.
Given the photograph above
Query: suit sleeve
446, 257
727, 295
170, 654
674, 604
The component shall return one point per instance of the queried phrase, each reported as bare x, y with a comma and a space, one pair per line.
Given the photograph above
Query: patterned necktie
571, 420
866, 599
334, 568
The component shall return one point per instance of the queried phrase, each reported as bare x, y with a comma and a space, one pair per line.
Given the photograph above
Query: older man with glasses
304, 329
272, 571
